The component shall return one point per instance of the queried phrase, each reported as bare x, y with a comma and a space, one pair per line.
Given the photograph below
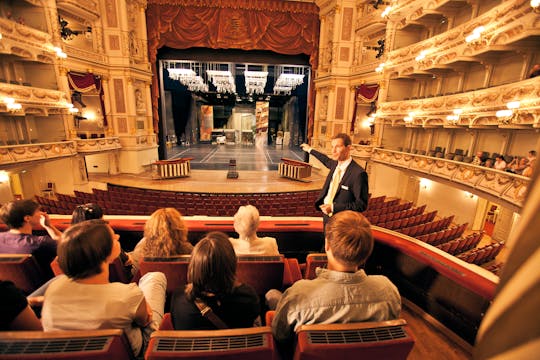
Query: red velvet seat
390, 340
238, 344
22, 270
174, 268
261, 272
314, 261
64, 345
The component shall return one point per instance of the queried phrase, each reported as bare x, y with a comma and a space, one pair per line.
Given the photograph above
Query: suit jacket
353, 190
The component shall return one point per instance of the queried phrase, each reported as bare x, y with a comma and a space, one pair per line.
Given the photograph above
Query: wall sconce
507, 115
11, 105
4, 177
386, 11
475, 35
380, 68
535, 4
421, 56
425, 184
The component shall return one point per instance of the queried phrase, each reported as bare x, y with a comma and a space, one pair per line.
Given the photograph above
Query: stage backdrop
286, 27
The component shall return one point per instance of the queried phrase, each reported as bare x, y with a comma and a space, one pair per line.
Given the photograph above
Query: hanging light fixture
255, 81
288, 79
183, 72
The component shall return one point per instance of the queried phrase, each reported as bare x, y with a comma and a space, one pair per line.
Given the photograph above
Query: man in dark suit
346, 186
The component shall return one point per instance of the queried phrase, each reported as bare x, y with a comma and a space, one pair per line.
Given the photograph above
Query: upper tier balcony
13, 155
509, 27
487, 182
32, 100
477, 109
83, 11
25, 42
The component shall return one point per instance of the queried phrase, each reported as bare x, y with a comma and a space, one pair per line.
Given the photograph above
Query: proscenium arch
288, 28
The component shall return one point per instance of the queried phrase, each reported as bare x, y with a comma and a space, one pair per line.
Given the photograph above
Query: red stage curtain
87, 82
363, 94
285, 27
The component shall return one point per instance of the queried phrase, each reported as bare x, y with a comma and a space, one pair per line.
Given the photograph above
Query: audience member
213, 298
84, 299
479, 159
342, 292
91, 211
15, 313
246, 222
535, 71
531, 155
488, 163
21, 216
85, 212
529, 170
165, 234
499, 164
517, 165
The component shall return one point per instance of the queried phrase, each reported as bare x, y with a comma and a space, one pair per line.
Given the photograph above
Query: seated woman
212, 285
165, 234
84, 299
15, 313
85, 212
246, 222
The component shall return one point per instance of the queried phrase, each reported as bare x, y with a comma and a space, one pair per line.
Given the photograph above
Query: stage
257, 172
248, 157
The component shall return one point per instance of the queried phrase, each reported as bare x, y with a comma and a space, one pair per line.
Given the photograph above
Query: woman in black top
212, 282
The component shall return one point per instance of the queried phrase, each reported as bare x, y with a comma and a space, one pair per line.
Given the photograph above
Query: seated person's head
348, 239
212, 269
246, 220
15, 213
85, 247
164, 232
86, 212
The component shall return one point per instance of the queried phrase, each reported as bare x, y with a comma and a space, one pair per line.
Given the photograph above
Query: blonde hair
246, 220
165, 233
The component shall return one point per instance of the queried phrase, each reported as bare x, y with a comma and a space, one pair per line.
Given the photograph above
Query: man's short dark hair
348, 234
84, 247
86, 212
532, 152
346, 138
12, 213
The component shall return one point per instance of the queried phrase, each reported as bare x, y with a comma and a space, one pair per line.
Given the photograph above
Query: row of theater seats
396, 213
481, 255
443, 235
369, 340
409, 221
462, 244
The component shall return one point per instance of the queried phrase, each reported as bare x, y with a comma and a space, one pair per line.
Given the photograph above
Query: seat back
23, 270
239, 344
390, 340
261, 272
82, 345
174, 267
116, 270
314, 261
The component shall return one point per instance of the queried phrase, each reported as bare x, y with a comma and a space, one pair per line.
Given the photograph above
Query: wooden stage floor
213, 181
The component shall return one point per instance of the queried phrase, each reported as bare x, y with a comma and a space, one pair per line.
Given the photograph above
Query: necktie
332, 190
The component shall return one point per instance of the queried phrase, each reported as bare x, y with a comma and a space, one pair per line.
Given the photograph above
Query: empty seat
261, 272
87, 345
364, 340
248, 343
23, 270
313, 261
174, 268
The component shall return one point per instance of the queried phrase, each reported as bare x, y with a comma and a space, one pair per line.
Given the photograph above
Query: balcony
501, 34
88, 146
479, 108
499, 185
83, 11
15, 154
25, 42
33, 100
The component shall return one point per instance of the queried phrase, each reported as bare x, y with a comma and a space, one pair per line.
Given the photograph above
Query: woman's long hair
165, 233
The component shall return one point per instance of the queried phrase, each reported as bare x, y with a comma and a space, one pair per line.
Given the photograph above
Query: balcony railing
507, 187
12, 154
97, 145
